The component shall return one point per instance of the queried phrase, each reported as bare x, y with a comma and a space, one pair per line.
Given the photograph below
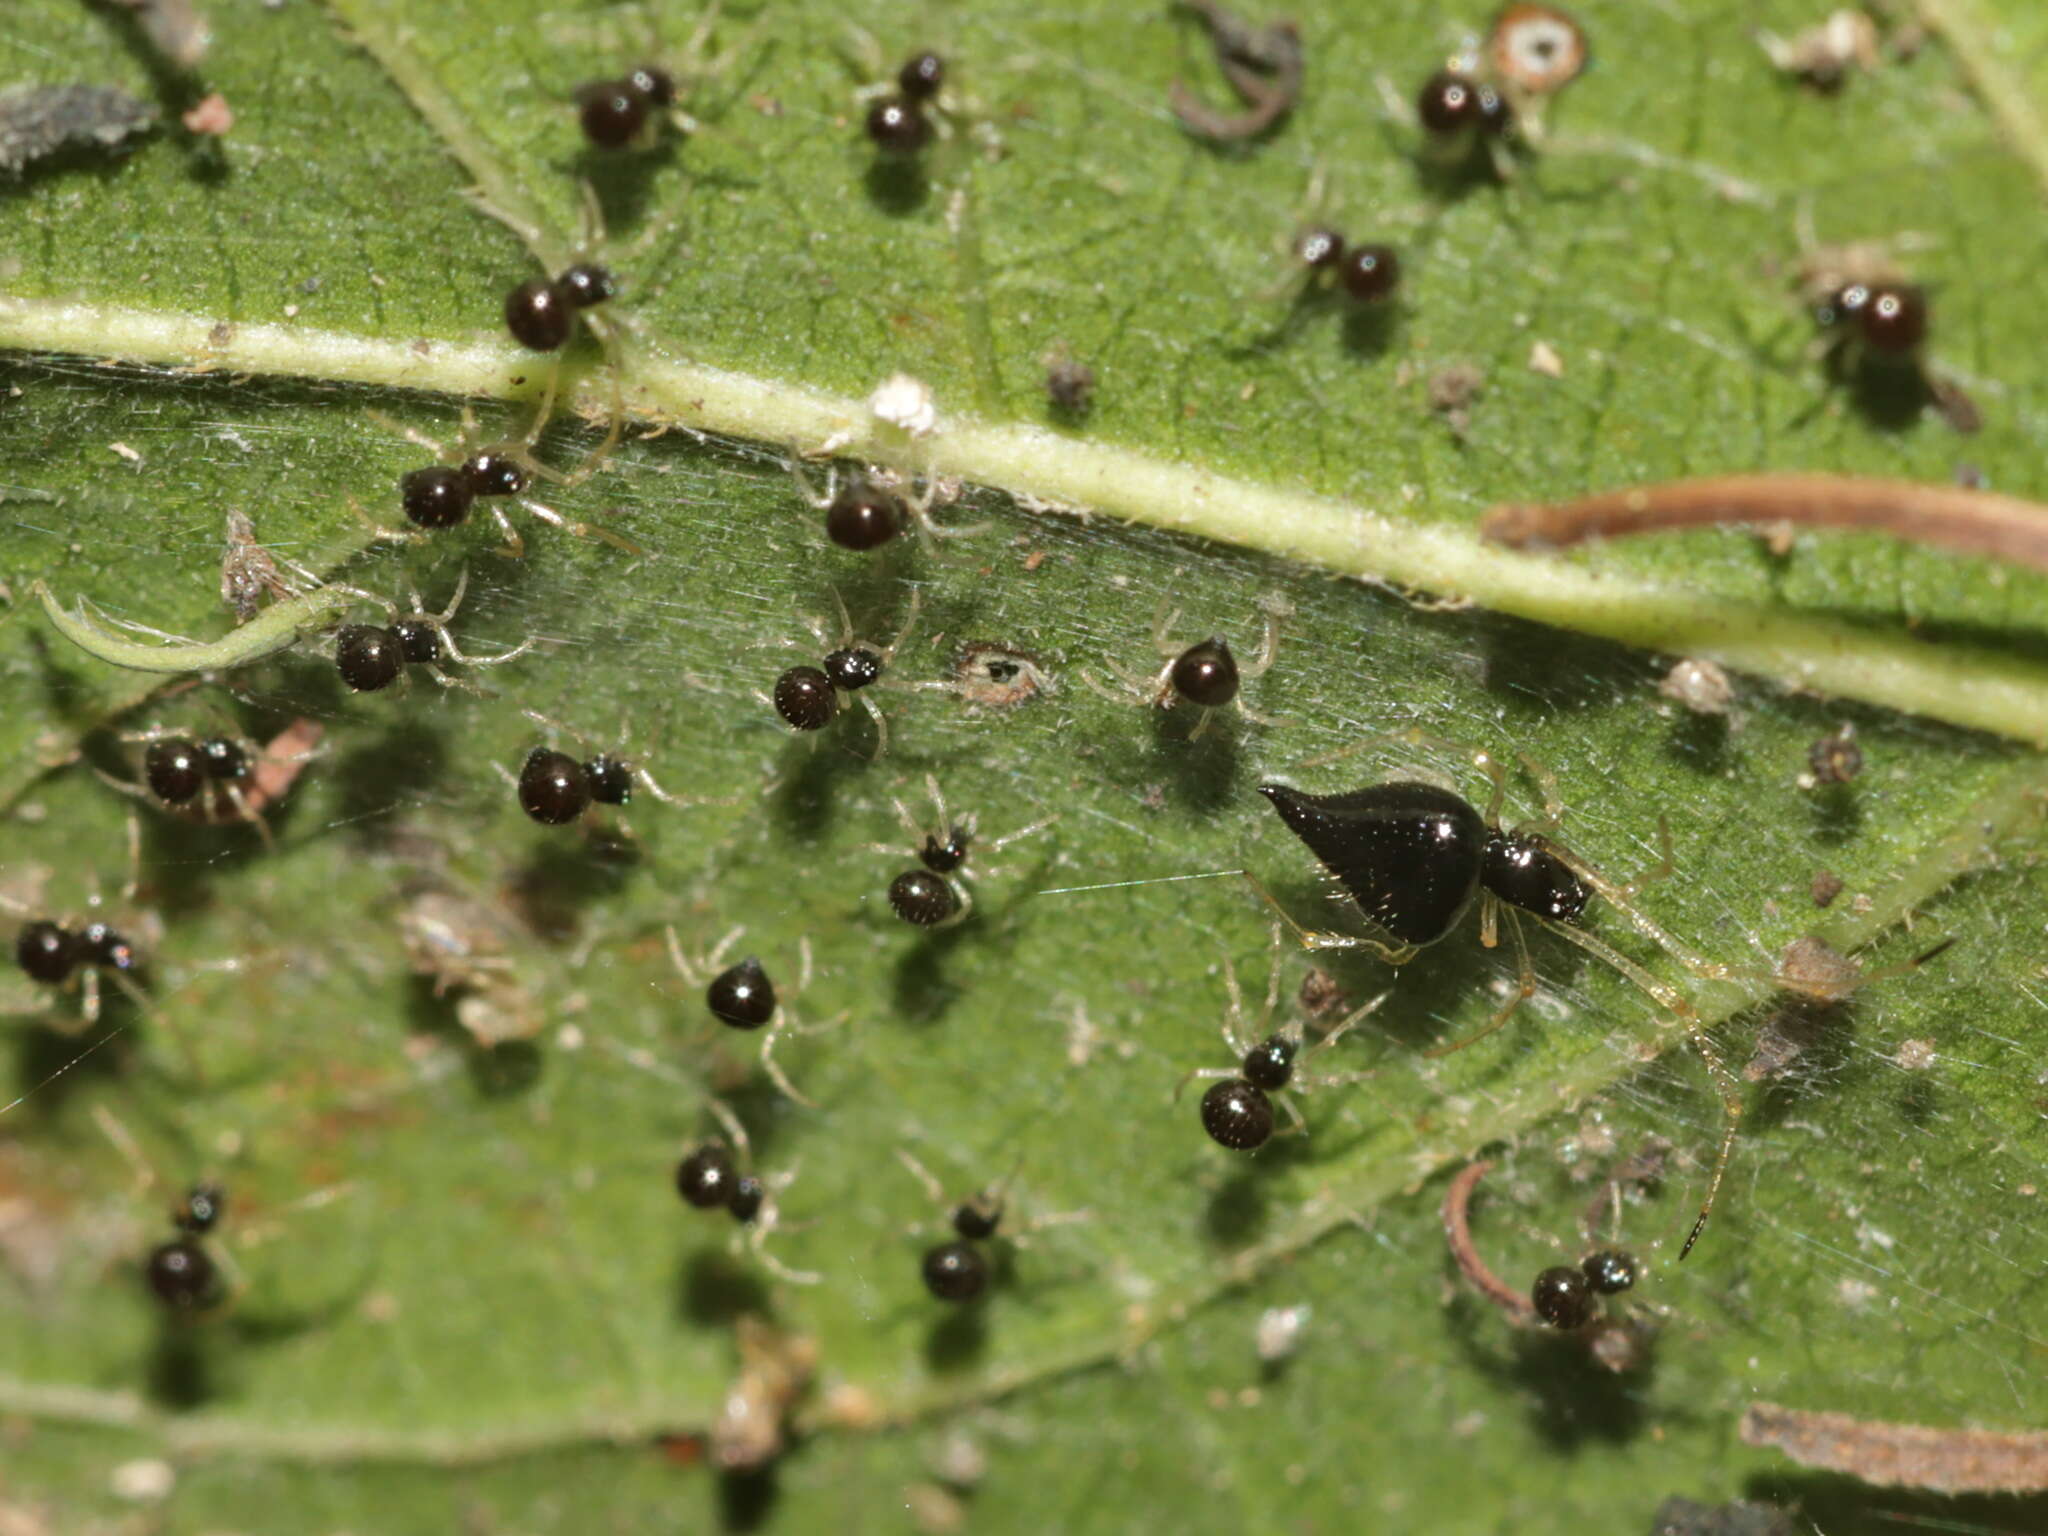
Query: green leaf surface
468, 1294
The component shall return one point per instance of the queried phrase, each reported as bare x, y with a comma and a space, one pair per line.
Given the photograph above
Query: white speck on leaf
904, 401
143, 1482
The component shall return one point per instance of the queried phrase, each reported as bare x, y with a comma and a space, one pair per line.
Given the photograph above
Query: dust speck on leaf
1279, 1332
1451, 390
212, 116
1701, 686
1914, 1055
1823, 54
143, 1482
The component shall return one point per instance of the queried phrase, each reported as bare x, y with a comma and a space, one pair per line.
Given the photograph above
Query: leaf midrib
1958, 685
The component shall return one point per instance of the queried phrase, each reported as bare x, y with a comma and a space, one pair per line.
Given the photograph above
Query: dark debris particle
1785, 1036
1827, 885
1835, 758
1070, 386
998, 676
38, 121
1321, 996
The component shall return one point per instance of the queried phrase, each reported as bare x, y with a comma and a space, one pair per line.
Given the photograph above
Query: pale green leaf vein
1961, 685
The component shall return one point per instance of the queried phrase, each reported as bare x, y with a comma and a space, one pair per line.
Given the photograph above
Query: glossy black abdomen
1409, 854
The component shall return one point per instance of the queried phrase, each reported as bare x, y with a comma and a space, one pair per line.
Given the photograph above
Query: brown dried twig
1264, 65
1943, 516
1902, 1455
1458, 1236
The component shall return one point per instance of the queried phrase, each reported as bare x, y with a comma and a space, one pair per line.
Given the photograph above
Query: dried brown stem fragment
1902, 1455
283, 759
1458, 1236
1264, 65
1942, 516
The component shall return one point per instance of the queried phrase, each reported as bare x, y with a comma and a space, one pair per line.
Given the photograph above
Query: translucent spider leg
515, 546
767, 1220
923, 1175
1233, 1021
1349, 1022
1619, 897
765, 1223
1152, 691
987, 1206
522, 448
1663, 869
773, 1068
1272, 610
440, 621
727, 1120
888, 656
1130, 688
1688, 1017
1490, 909
920, 495
1327, 938
998, 844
